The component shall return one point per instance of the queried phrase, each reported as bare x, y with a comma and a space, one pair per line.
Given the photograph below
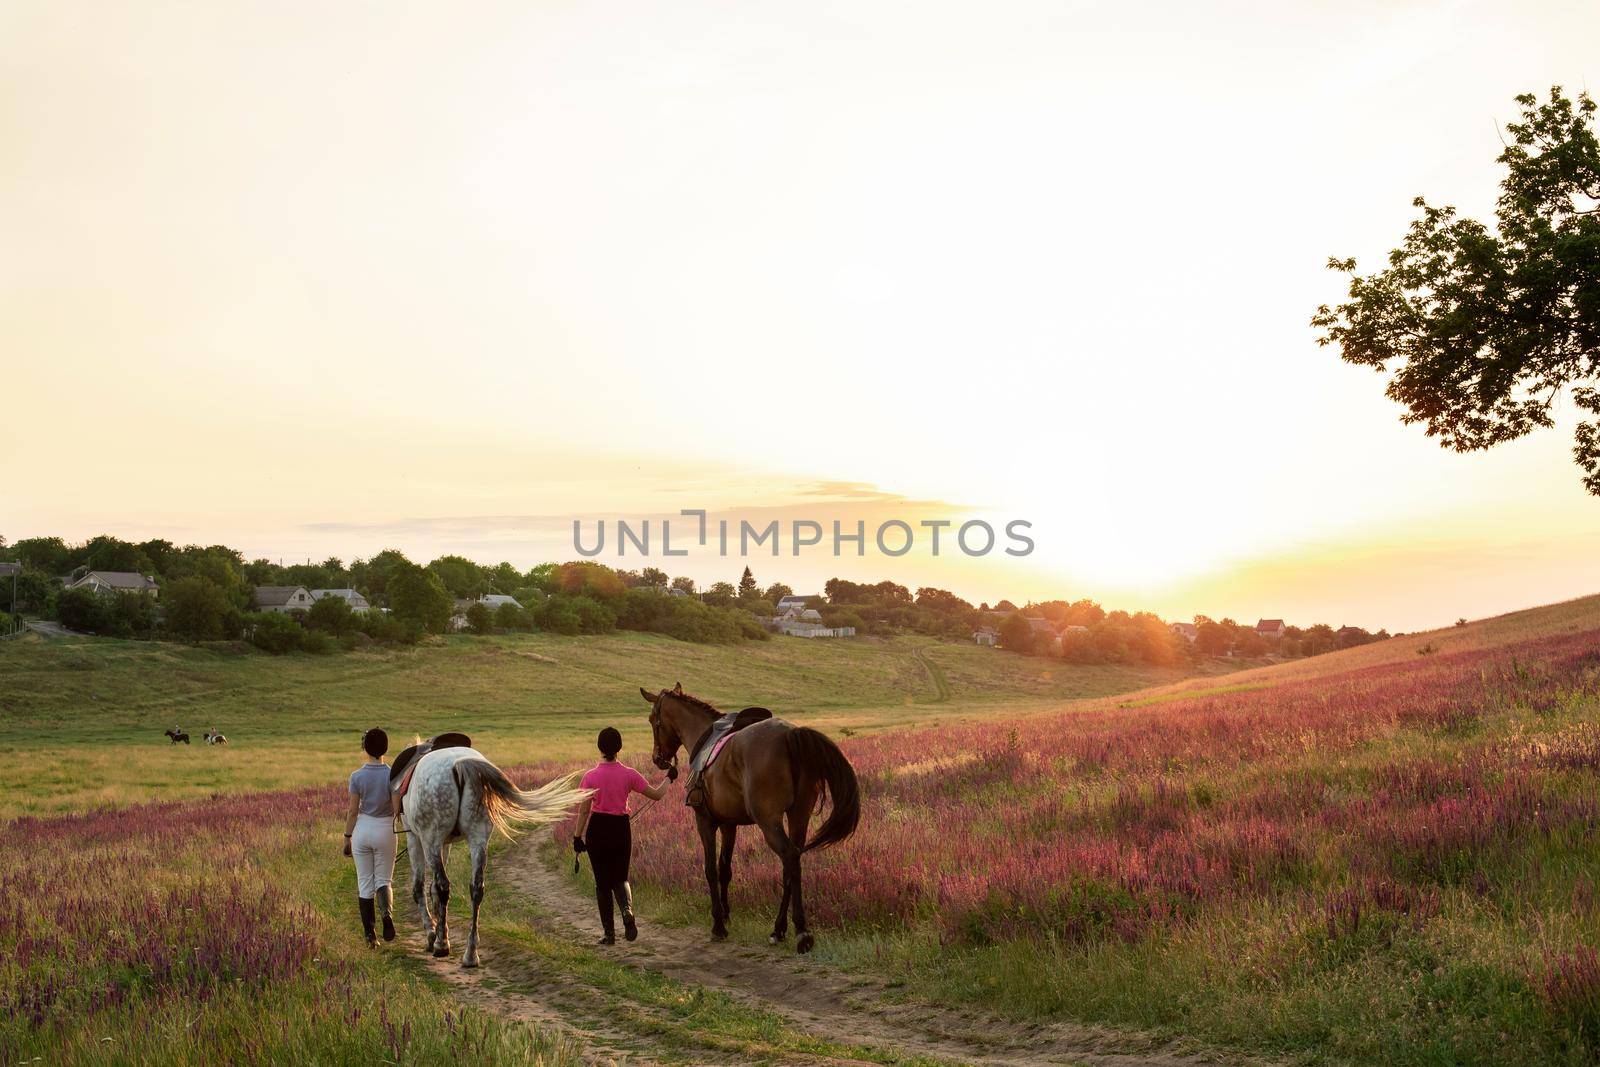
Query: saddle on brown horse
708, 746
406, 763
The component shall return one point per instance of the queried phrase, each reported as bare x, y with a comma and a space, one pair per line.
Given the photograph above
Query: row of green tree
1225, 637
1079, 631
207, 593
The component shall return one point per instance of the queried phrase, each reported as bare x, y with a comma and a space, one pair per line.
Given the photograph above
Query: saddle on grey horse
405, 763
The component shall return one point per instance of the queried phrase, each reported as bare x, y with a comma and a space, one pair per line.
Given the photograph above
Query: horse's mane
694, 701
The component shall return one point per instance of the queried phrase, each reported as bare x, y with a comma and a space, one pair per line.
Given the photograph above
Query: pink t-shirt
612, 782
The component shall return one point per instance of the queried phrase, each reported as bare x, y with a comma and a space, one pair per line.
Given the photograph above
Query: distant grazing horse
764, 772
178, 735
456, 793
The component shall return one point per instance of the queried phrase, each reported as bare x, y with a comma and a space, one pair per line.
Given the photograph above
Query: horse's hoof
442, 952
469, 961
804, 942
719, 935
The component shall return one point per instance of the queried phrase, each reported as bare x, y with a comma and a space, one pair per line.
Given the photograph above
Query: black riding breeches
610, 844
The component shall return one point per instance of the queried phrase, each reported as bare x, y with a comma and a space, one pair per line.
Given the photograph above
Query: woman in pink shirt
603, 832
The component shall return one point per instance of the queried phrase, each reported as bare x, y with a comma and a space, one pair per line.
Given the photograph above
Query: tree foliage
462, 577
417, 595
1486, 327
331, 614
1016, 633
195, 608
275, 632
479, 618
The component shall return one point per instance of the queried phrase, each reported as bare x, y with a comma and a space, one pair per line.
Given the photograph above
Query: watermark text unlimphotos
892, 537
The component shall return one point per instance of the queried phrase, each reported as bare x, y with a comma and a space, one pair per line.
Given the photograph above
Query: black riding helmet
610, 742
375, 742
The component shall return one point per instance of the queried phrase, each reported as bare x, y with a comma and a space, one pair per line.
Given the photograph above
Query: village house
1271, 628
1186, 630
988, 636
117, 582
356, 601
800, 621
798, 603
795, 617
283, 599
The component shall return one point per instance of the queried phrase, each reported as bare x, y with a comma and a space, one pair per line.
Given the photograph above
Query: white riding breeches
373, 846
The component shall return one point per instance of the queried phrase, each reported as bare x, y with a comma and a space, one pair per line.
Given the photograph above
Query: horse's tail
506, 805
812, 751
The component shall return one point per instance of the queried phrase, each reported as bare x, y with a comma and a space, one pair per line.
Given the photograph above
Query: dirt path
941, 684
811, 998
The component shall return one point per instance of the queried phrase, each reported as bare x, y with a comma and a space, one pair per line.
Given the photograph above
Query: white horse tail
506, 805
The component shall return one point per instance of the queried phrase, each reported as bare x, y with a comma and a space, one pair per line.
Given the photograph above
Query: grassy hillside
1384, 855
83, 718
1551, 620
1387, 854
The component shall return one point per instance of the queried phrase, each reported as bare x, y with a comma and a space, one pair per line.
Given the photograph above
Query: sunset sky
316, 279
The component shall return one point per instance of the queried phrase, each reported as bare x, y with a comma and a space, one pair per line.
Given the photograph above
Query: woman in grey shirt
369, 836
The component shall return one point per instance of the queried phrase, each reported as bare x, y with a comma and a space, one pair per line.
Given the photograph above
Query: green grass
81, 722
82, 719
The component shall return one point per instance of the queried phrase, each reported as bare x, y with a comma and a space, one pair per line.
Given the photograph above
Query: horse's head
664, 734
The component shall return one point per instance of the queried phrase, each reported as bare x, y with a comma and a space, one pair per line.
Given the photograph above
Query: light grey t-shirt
371, 784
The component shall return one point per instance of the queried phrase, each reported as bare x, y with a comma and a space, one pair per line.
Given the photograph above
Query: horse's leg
478, 839
421, 858
441, 902
725, 868
780, 926
778, 841
799, 826
708, 845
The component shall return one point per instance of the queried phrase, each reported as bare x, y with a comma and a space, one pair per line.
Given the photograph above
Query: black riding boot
385, 904
624, 893
602, 897
367, 916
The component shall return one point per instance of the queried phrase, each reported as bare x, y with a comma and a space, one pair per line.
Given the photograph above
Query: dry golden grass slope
1567, 617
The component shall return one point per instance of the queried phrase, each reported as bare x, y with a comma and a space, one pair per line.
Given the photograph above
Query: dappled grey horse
456, 793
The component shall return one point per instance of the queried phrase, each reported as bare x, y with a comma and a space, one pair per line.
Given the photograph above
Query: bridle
657, 744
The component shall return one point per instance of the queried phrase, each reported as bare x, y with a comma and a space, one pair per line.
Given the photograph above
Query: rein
650, 802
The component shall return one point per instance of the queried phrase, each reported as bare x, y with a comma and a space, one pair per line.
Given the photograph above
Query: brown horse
766, 771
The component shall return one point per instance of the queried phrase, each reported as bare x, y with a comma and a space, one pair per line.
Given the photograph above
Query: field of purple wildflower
191, 933
1409, 848
1388, 856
